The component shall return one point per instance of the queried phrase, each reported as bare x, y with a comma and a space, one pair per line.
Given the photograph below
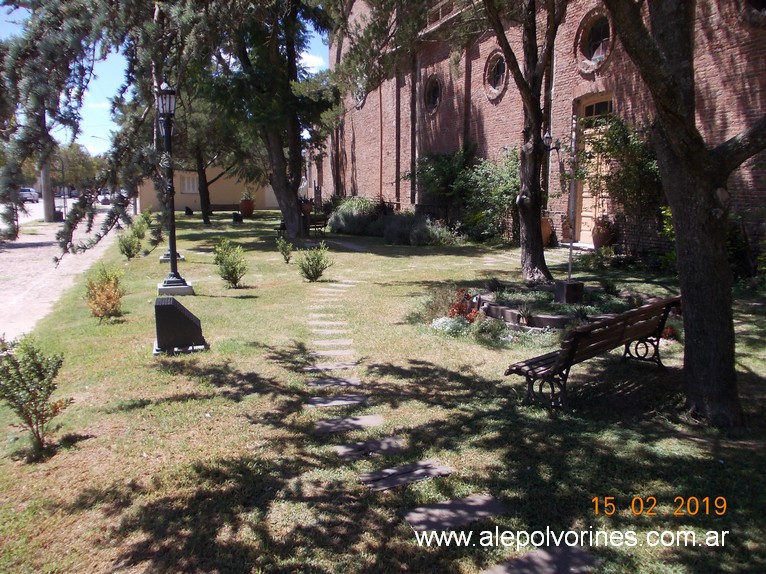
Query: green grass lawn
209, 463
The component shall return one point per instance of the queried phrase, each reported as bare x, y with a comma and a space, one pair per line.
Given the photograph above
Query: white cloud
313, 63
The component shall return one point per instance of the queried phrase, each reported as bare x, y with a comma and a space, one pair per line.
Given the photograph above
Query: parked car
27, 194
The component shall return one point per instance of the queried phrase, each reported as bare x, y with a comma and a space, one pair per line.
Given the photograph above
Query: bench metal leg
647, 349
549, 392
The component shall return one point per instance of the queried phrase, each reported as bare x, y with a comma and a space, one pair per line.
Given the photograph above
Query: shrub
285, 248
26, 386
493, 187
453, 326
428, 232
129, 244
488, 331
398, 228
312, 263
104, 293
354, 214
230, 260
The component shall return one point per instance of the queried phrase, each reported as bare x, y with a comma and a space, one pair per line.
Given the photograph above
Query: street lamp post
173, 284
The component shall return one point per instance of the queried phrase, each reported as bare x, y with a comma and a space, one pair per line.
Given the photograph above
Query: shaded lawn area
209, 462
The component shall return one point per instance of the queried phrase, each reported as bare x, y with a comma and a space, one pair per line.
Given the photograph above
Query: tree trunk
204, 190
533, 266
700, 215
285, 188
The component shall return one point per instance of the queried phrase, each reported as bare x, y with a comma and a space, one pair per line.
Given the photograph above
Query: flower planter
247, 207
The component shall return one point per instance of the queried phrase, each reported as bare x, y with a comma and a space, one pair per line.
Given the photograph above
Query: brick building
444, 100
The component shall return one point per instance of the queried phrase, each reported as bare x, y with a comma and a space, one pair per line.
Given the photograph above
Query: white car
27, 194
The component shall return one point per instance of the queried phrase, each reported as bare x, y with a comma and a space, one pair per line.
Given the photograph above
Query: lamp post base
165, 257
175, 286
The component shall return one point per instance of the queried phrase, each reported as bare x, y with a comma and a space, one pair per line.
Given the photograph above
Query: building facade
444, 100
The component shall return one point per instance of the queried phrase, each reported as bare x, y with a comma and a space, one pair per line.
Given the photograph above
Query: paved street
30, 283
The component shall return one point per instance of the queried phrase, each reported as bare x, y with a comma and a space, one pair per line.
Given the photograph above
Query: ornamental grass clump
104, 293
312, 263
230, 260
26, 385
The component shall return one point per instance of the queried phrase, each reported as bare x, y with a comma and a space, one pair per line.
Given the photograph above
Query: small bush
230, 260
453, 326
26, 386
285, 248
129, 244
398, 228
104, 293
429, 232
312, 263
354, 214
492, 332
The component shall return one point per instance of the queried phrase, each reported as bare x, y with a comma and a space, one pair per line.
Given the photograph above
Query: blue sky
96, 123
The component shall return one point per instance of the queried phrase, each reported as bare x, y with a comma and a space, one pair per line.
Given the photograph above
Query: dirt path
30, 283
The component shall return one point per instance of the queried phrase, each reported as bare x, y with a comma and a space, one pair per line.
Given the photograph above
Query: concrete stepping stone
406, 474
335, 382
454, 513
332, 343
330, 331
322, 323
334, 353
336, 401
552, 560
352, 423
330, 367
357, 450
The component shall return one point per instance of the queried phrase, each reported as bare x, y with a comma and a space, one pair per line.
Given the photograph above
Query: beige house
224, 193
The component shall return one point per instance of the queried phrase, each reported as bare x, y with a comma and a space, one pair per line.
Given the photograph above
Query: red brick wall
378, 139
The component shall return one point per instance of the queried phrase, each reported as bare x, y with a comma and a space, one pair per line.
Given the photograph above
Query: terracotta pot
602, 236
247, 207
307, 208
546, 225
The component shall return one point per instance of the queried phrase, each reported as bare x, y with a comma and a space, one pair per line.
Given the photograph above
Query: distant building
226, 191
441, 103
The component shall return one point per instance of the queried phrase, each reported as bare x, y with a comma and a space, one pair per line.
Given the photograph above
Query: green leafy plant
490, 206
104, 292
353, 215
26, 385
312, 263
129, 244
230, 260
285, 249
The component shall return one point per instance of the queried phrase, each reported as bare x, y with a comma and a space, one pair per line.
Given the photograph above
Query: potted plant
307, 205
546, 226
246, 204
603, 232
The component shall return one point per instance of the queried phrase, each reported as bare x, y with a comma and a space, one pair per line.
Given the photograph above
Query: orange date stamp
647, 506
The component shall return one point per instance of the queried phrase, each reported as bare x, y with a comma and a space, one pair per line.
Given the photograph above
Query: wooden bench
639, 330
317, 223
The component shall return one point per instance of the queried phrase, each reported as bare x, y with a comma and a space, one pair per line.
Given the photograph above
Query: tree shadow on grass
282, 511
229, 382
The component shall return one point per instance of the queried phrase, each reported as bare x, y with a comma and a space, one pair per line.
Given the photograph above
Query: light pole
173, 284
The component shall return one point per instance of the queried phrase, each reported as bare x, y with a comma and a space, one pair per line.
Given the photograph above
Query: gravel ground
30, 282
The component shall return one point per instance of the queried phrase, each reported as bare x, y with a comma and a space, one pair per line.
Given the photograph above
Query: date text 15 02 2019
647, 506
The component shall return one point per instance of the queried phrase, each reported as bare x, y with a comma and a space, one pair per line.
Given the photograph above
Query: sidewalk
30, 282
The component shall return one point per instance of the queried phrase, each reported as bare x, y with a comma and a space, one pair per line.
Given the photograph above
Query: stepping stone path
571, 559
325, 322
337, 401
454, 513
392, 477
335, 382
351, 423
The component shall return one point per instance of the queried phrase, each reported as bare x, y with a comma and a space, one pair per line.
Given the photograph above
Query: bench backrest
588, 341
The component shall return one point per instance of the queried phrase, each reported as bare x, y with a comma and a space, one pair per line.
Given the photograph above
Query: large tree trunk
285, 188
533, 266
204, 190
700, 214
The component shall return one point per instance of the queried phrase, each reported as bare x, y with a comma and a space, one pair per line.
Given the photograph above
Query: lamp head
547, 139
166, 100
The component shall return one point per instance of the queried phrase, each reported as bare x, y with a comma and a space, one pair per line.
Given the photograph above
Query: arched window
597, 44
433, 94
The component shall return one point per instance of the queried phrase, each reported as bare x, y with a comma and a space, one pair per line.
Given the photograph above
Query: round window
594, 41
433, 94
